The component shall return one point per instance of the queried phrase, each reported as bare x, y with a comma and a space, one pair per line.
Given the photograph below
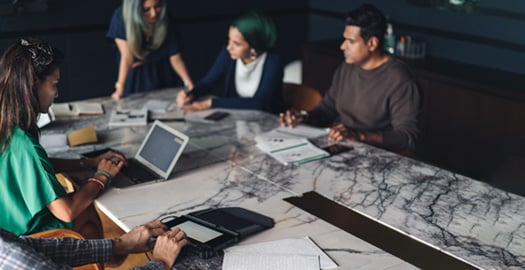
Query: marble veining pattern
458, 215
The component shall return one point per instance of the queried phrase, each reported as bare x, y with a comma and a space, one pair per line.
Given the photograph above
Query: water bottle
390, 39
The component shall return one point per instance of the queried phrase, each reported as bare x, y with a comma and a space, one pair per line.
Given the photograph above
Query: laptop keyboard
137, 172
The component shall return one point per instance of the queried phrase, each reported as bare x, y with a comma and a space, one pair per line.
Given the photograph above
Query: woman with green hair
252, 73
148, 48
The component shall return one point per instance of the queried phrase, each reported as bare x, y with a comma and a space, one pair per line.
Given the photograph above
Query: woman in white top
252, 73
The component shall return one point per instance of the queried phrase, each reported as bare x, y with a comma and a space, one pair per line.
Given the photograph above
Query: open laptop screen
161, 149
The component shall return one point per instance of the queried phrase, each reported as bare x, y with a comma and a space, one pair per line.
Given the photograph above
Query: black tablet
202, 235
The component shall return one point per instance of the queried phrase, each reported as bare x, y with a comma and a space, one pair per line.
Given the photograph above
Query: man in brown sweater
374, 97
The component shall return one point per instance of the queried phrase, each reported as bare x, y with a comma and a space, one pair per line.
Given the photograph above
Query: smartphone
216, 116
335, 149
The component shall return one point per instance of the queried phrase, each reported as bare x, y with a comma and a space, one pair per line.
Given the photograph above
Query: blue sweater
268, 96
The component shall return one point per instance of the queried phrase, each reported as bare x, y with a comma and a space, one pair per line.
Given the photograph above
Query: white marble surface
458, 215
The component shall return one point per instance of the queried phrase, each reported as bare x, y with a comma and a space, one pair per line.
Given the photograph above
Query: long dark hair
21, 66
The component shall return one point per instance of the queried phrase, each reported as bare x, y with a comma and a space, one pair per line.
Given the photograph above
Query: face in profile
238, 47
151, 11
355, 49
47, 90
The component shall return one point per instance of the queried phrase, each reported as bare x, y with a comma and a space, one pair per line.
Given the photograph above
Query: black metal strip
400, 245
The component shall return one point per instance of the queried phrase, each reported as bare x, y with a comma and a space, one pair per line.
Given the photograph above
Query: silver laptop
156, 157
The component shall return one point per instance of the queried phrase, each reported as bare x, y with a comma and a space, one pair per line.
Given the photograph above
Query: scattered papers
76, 108
54, 141
44, 119
303, 130
159, 106
163, 110
288, 148
297, 251
126, 118
240, 261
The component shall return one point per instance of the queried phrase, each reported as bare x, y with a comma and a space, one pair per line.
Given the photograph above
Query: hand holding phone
216, 116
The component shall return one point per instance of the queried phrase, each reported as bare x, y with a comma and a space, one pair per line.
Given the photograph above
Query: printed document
301, 249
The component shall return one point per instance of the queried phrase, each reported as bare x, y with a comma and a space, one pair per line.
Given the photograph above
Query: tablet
202, 235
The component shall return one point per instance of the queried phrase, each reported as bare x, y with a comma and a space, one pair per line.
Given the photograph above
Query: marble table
457, 215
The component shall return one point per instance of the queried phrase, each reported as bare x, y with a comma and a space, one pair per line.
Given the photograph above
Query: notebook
156, 157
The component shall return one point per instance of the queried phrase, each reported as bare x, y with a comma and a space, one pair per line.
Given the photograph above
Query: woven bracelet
106, 174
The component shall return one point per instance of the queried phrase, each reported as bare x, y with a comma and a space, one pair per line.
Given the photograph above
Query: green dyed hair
136, 25
258, 30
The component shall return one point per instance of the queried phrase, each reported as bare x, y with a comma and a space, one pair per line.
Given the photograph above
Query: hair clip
24, 42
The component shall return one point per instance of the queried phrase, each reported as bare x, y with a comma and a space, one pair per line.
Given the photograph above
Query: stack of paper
288, 148
125, 118
290, 254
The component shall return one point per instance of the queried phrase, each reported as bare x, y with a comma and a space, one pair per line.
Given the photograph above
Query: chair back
300, 97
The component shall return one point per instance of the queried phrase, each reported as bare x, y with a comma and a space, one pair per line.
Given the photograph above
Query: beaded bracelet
106, 174
100, 184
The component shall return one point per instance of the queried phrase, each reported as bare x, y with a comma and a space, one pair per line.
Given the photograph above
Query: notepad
76, 108
287, 148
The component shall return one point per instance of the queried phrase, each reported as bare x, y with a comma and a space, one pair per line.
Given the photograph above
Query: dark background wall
492, 37
78, 28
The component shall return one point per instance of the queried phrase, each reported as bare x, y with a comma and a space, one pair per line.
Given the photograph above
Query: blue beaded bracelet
106, 174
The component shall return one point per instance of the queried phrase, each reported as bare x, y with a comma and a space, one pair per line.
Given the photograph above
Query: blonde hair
135, 26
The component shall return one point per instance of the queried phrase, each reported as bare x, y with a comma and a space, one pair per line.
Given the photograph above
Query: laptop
156, 157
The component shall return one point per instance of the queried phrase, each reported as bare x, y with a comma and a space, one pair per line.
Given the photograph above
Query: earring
253, 53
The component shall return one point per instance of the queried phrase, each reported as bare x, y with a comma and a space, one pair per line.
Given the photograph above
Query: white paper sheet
304, 131
158, 106
288, 246
54, 141
253, 261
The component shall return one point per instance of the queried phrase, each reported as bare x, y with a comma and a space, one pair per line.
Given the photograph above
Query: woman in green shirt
31, 198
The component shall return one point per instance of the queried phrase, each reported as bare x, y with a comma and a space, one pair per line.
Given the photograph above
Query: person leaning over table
31, 198
149, 48
374, 97
251, 71
62, 253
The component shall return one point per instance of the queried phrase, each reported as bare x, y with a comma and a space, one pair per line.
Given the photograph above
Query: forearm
124, 67
64, 165
70, 207
72, 251
373, 138
180, 68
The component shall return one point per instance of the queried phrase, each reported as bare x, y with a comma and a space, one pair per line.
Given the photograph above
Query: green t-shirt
28, 185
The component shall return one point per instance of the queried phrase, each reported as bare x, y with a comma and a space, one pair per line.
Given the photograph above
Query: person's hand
168, 246
340, 133
115, 156
189, 85
197, 106
138, 239
116, 95
107, 169
183, 98
291, 118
